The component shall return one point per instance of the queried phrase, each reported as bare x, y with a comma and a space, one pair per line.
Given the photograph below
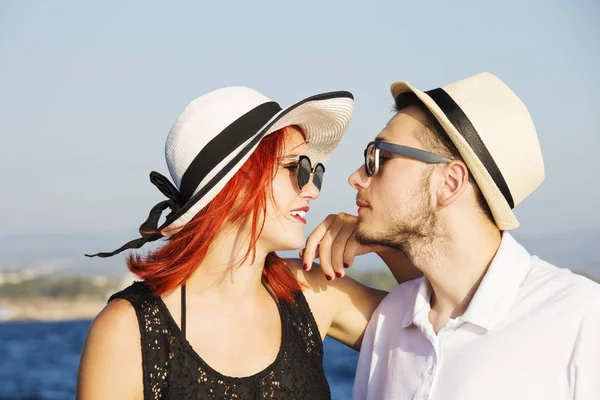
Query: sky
89, 91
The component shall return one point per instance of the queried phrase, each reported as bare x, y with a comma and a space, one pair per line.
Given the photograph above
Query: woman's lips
299, 219
299, 213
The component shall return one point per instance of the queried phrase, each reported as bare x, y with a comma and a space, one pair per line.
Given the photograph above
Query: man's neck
454, 266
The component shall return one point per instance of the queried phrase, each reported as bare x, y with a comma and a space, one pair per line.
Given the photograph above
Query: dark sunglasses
304, 171
374, 148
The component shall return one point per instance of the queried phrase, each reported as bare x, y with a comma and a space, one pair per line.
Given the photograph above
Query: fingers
325, 251
316, 255
342, 250
334, 243
351, 250
312, 242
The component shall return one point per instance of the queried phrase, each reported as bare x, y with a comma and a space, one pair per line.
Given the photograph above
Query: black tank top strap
183, 310
135, 293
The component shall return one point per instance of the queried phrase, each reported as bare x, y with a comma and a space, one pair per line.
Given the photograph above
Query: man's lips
361, 203
362, 206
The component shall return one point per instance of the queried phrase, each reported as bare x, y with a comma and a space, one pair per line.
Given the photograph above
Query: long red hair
174, 263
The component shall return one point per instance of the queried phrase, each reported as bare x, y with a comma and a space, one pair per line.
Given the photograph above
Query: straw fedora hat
215, 135
493, 132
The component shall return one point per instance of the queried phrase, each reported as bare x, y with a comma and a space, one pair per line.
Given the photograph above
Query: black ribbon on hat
149, 229
180, 201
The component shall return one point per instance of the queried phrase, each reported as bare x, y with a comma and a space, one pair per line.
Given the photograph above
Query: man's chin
365, 236
363, 224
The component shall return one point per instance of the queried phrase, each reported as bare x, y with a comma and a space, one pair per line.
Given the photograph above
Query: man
487, 320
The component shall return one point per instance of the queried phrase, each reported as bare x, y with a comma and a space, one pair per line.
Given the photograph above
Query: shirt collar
493, 297
418, 299
499, 286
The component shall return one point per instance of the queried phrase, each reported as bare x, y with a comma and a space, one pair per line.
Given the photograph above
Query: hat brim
324, 118
504, 216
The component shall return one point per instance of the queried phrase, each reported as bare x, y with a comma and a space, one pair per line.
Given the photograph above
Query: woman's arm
355, 303
342, 308
111, 362
341, 305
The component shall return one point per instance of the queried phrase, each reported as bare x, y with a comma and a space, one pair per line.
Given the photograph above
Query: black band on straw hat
463, 125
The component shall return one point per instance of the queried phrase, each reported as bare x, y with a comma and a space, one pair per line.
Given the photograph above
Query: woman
218, 313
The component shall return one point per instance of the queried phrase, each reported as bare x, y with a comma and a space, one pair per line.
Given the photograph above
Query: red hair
174, 263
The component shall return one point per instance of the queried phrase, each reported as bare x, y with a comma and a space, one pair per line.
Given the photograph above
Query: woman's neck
224, 273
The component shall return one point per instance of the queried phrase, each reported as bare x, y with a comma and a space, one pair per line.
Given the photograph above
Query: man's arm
363, 368
585, 363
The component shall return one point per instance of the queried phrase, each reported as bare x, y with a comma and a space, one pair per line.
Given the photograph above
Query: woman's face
288, 208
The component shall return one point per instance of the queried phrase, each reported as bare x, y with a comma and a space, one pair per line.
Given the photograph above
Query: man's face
396, 206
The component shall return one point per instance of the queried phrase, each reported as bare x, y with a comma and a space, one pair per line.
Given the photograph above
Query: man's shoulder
401, 296
560, 283
405, 289
396, 309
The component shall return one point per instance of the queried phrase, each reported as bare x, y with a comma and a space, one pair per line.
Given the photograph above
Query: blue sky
88, 92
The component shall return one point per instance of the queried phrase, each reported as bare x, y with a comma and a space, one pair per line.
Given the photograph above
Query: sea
39, 361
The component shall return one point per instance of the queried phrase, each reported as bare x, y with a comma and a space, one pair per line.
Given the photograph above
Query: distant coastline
77, 298
56, 298
49, 308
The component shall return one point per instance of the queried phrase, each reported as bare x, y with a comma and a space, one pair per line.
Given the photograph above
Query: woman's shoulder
111, 356
314, 282
335, 295
135, 292
341, 307
116, 327
117, 322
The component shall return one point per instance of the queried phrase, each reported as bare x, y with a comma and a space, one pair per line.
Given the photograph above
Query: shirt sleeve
363, 369
585, 365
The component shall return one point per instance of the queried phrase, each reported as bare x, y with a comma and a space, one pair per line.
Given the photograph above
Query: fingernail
338, 274
346, 265
305, 266
329, 277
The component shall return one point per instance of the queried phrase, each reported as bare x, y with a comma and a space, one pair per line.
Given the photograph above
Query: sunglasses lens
318, 176
304, 169
370, 159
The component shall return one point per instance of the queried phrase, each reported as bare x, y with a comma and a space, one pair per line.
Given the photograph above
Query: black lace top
173, 370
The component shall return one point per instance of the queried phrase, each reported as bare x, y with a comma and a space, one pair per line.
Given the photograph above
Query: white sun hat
217, 132
493, 132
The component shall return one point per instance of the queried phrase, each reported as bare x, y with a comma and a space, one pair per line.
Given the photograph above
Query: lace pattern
173, 370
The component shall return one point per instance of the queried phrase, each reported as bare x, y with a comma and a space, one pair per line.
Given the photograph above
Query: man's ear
455, 177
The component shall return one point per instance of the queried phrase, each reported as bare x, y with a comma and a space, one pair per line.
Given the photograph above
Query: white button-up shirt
531, 331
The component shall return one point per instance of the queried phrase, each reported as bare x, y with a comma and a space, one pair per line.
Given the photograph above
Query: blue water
38, 360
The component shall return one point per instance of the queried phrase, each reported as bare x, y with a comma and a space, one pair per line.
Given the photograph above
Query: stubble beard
417, 234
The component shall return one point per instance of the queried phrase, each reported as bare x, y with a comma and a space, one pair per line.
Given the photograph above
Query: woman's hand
334, 243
